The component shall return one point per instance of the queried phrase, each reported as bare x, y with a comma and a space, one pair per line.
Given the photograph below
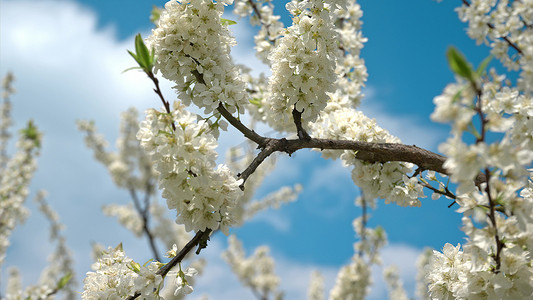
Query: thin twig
157, 90
250, 134
144, 215
179, 257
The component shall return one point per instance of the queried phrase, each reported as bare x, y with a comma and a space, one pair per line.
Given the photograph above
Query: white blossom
192, 47
203, 194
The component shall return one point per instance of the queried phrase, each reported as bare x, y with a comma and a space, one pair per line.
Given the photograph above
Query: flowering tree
311, 99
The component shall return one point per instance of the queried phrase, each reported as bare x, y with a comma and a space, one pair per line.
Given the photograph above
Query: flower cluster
129, 166
57, 276
394, 283
493, 173
116, 276
316, 287
15, 177
377, 180
458, 274
183, 152
351, 69
354, 280
5, 116
271, 28
127, 216
422, 265
303, 64
256, 271
503, 24
192, 46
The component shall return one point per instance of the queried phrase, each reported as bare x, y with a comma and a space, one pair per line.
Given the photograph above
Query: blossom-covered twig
505, 38
195, 241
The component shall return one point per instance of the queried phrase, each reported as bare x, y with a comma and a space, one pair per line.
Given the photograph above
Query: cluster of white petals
182, 149
388, 180
498, 22
495, 261
303, 64
192, 46
271, 27
116, 276
5, 116
255, 271
59, 267
129, 166
458, 274
316, 287
354, 280
15, 178
394, 283
127, 216
351, 69
422, 265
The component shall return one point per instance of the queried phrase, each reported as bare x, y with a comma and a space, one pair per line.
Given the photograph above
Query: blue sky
68, 57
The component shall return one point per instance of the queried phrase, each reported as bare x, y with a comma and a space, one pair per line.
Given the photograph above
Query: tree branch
200, 235
369, 152
144, 216
252, 135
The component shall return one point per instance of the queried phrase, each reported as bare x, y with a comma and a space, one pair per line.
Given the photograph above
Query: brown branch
252, 135
369, 152
271, 146
492, 217
186, 249
157, 90
144, 216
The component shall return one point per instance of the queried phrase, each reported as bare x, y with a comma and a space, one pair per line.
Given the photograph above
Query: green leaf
255, 101
483, 66
459, 64
149, 261
63, 281
143, 55
457, 95
155, 14
135, 267
132, 68
31, 133
133, 55
227, 22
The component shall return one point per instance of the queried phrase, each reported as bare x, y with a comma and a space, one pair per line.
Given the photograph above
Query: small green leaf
63, 281
457, 95
143, 55
149, 261
227, 22
459, 65
31, 133
119, 247
155, 14
483, 66
255, 101
132, 68
135, 267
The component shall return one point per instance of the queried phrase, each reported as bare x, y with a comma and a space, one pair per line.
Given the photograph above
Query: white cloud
409, 128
